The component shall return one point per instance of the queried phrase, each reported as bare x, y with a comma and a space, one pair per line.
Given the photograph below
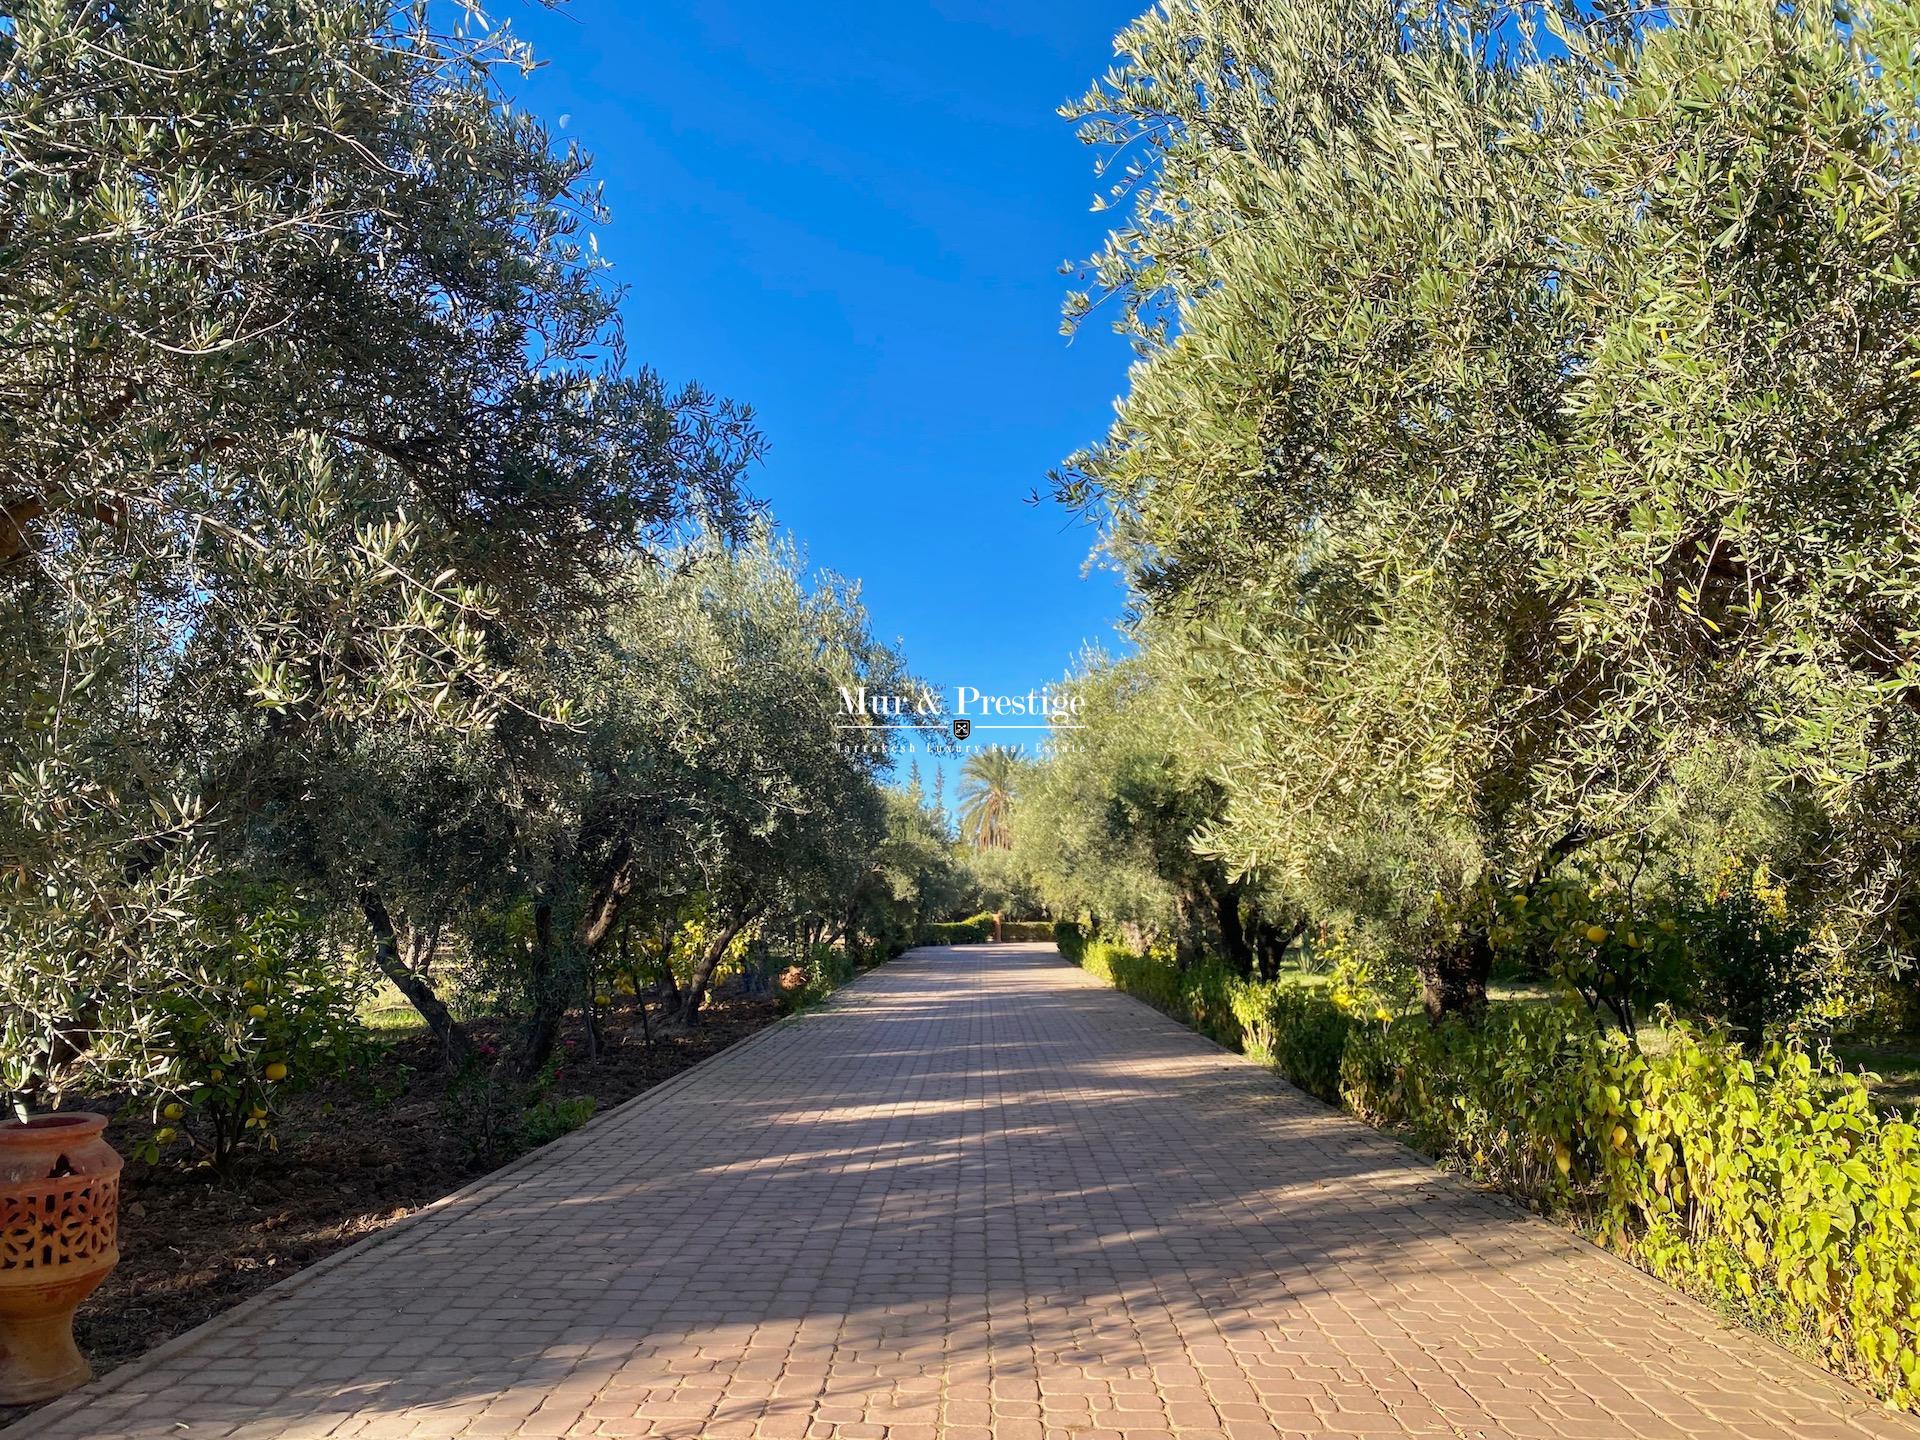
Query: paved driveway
980, 1196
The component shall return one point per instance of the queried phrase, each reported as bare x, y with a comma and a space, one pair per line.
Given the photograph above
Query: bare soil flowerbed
195, 1242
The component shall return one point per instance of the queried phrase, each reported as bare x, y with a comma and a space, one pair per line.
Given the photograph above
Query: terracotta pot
59, 1233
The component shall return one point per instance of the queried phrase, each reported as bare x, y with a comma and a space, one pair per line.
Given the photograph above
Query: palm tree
987, 784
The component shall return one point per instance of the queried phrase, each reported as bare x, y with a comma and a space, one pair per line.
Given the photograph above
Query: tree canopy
1519, 450
350, 573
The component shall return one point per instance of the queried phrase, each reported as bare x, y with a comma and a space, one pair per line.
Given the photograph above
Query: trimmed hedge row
1771, 1185
978, 930
974, 930
826, 970
1026, 930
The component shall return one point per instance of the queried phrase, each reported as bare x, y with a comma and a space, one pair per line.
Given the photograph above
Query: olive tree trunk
694, 994
1454, 981
454, 1044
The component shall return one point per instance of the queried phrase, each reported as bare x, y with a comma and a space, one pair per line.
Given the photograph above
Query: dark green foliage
1494, 1097
975, 930
827, 969
1729, 948
1754, 972
258, 1007
1071, 939
498, 1117
1026, 930
1299, 1032
914, 875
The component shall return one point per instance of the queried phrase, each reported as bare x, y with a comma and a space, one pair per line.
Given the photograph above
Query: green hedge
978, 930
1771, 1186
1071, 939
975, 930
1297, 1031
1026, 930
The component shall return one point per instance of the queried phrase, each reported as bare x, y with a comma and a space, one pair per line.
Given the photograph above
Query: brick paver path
980, 1196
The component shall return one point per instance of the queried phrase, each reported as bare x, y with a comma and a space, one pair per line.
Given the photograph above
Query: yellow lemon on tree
250, 985
165, 1135
1619, 1137
258, 1012
276, 1071
1596, 933
174, 1111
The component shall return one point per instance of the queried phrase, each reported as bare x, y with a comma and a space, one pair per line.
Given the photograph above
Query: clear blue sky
852, 217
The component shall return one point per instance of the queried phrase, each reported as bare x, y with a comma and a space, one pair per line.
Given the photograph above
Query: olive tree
312, 398
1518, 426
1351, 357
702, 767
1110, 824
1738, 529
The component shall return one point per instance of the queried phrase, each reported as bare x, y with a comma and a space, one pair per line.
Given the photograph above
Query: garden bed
352, 1160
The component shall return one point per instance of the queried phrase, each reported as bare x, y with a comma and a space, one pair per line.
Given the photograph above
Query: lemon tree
242, 1024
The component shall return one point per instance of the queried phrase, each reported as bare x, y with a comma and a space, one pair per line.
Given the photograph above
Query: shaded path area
980, 1195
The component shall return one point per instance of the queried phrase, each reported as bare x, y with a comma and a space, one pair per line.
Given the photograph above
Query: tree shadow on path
978, 1191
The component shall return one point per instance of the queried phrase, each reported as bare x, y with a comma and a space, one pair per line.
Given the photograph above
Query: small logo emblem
962, 729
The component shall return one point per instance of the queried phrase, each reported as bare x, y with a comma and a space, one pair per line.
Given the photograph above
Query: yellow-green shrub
1296, 1031
1197, 996
1776, 1186
1278, 1023
1771, 1185
1504, 1098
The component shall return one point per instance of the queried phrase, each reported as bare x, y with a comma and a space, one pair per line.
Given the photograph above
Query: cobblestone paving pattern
980, 1196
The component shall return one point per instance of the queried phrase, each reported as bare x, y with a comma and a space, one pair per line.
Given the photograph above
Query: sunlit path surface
981, 1196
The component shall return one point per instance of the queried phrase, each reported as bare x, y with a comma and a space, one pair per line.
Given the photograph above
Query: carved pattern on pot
71, 1221
59, 1234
